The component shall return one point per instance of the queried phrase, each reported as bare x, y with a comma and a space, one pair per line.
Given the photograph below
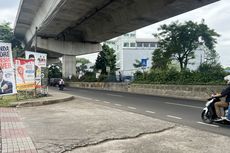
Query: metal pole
35, 49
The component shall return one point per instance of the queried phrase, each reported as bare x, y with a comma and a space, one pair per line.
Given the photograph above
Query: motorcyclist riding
223, 103
61, 84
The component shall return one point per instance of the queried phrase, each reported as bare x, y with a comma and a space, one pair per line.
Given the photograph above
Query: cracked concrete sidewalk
80, 126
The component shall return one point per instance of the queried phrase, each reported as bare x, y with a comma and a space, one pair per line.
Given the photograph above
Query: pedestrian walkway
13, 135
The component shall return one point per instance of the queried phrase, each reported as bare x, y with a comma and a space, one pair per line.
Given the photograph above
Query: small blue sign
144, 62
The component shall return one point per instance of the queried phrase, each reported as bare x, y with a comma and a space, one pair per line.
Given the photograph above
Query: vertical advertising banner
25, 74
7, 78
40, 60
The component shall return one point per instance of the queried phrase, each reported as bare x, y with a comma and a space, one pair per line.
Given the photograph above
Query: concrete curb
42, 102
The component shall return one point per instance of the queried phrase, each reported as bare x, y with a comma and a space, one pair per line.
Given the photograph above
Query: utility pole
35, 50
36, 39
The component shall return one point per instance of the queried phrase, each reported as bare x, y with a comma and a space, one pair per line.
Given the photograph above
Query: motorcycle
208, 114
61, 86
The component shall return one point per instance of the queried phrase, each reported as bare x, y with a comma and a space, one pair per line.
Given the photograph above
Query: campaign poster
7, 77
40, 60
25, 74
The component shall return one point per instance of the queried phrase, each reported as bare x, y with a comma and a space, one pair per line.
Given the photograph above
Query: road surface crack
75, 146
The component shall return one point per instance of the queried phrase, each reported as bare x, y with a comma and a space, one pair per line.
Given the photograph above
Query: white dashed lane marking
84, 98
207, 124
191, 106
175, 117
118, 105
106, 102
131, 107
150, 112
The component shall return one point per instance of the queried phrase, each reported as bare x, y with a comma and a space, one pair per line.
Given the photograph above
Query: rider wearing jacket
221, 104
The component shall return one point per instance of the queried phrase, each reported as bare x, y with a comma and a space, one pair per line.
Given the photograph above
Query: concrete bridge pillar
51, 61
68, 66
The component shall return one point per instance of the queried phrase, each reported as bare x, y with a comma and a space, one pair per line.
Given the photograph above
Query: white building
200, 57
129, 49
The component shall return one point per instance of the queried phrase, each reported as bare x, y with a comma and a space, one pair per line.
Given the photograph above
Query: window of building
126, 35
139, 44
152, 44
126, 44
146, 44
132, 44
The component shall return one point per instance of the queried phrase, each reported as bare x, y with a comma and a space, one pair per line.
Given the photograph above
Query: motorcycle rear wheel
206, 117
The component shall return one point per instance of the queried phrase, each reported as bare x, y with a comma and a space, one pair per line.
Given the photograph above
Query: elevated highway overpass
66, 28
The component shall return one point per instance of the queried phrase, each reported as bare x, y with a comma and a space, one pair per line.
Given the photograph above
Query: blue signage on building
144, 62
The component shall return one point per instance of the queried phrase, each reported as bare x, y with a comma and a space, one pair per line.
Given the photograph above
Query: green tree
137, 64
54, 72
6, 35
106, 57
82, 64
210, 67
82, 61
180, 41
160, 59
227, 68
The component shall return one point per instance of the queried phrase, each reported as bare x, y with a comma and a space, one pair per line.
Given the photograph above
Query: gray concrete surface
80, 126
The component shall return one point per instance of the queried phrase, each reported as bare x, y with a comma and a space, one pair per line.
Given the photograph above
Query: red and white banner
7, 78
25, 74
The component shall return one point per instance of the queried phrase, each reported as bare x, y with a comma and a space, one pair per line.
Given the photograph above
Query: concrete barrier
195, 92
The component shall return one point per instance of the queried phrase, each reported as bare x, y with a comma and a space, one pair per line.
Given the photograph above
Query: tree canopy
54, 72
81, 64
137, 64
82, 61
106, 57
7, 36
179, 41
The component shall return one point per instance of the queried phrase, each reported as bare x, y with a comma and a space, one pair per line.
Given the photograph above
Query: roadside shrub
173, 76
88, 77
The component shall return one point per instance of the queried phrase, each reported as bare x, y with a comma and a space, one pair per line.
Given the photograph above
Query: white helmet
227, 78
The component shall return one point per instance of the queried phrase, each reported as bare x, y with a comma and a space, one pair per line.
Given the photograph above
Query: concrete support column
68, 66
51, 61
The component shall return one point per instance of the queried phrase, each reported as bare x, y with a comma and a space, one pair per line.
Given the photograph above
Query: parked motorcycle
208, 114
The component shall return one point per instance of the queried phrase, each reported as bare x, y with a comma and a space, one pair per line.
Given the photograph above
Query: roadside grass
6, 100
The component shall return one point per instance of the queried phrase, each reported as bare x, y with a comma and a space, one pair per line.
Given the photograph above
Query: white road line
84, 98
97, 100
207, 124
131, 107
115, 95
106, 102
175, 117
118, 104
149, 112
184, 105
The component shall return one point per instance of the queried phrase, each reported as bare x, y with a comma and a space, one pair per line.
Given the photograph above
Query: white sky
216, 15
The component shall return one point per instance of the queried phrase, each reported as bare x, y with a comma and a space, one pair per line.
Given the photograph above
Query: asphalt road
181, 111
